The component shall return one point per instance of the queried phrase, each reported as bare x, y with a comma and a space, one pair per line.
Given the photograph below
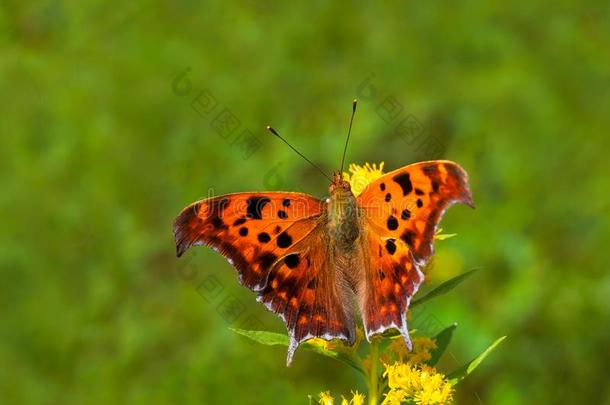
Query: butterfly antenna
274, 132
349, 131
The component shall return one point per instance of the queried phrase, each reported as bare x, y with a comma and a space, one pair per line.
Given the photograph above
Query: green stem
373, 374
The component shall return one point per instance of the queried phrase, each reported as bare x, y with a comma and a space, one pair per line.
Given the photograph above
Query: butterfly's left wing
250, 229
279, 244
402, 210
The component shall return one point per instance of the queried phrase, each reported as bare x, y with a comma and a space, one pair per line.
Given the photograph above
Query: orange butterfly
312, 262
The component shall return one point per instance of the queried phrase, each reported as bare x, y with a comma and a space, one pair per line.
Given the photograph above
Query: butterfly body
343, 211
318, 263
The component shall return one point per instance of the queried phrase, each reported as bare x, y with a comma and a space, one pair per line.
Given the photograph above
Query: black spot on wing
420, 203
255, 207
292, 260
263, 237
284, 240
390, 246
404, 181
282, 214
243, 231
430, 170
382, 186
217, 222
239, 221
392, 223
286, 202
418, 192
406, 214
408, 236
388, 197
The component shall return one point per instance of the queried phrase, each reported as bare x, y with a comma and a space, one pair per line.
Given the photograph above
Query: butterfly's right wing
402, 210
279, 245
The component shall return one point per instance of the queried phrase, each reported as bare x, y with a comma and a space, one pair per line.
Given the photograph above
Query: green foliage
264, 337
442, 339
442, 289
461, 373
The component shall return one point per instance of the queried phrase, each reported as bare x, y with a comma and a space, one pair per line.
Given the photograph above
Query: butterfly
317, 263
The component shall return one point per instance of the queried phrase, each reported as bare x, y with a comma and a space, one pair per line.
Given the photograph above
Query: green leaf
264, 337
442, 289
442, 340
461, 373
275, 339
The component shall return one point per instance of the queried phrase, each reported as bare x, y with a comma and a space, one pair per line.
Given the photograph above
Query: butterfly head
339, 184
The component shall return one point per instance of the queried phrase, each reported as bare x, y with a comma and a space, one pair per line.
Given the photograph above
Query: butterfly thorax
342, 214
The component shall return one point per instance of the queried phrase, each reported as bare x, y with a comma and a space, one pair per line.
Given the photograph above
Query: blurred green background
102, 145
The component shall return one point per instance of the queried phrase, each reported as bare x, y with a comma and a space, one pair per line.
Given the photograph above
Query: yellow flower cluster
362, 176
327, 399
421, 383
420, 353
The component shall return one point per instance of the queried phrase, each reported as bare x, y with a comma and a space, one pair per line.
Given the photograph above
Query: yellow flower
357, 398
326, 399
400, 376
394, 397
421, 383
433, 388
361, 176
